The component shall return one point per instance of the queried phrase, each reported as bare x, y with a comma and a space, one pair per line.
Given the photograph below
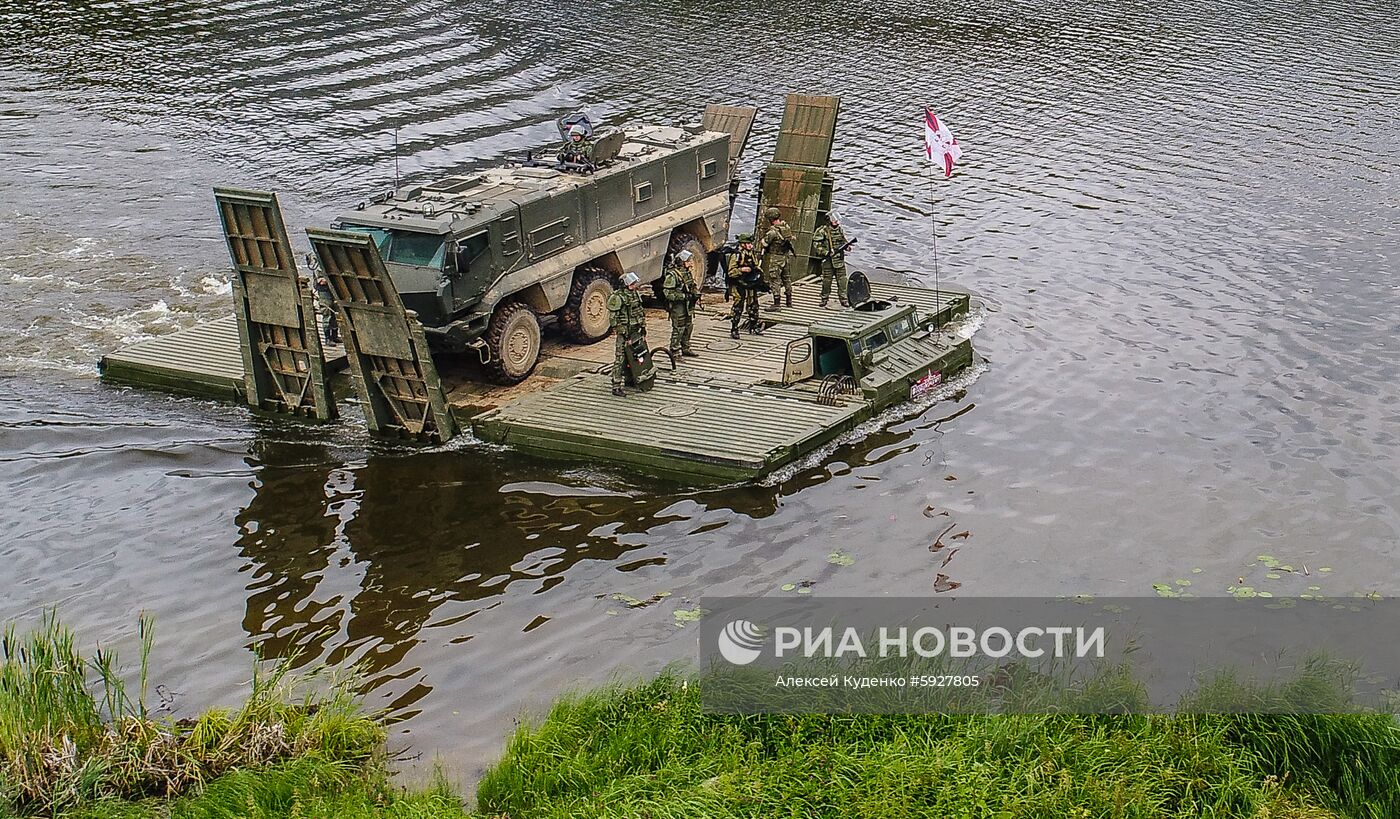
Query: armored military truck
481, 258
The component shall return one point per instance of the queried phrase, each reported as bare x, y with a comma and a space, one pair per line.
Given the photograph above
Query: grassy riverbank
73, 742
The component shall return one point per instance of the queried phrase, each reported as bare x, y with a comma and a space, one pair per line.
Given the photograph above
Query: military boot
734, 328
844, 303
777, 303
618, 390
788, 297
822, 303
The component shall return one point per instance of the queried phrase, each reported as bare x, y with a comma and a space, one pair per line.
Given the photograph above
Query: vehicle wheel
584, 317
513, 337
684, 241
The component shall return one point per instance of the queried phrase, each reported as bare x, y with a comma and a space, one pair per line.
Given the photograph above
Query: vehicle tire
684, 241
513, 338
584, 317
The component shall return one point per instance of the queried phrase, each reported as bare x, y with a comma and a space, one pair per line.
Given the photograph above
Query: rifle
842, 248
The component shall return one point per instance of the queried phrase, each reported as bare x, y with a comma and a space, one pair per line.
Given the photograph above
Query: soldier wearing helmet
778, 247
681, 293
745, 279
577, 149
829, 245
628, 319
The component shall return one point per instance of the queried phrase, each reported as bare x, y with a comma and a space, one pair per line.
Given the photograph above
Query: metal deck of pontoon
722, 416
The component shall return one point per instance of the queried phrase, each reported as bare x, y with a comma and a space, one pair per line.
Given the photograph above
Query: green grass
75, 743
71, 733
647, 750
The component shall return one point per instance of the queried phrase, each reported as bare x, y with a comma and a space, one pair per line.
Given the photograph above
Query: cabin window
708, 168
901, 328
470, 249
876, 341
422, 249
642, 192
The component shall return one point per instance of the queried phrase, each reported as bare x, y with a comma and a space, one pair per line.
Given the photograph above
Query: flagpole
933, 218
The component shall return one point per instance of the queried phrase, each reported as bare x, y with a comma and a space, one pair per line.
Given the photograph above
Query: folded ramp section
284, 367
386, 347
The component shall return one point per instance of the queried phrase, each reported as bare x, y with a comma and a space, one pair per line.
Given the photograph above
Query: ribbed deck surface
683, 426
206, 357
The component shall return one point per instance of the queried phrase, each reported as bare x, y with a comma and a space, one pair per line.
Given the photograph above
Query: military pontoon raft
482, 264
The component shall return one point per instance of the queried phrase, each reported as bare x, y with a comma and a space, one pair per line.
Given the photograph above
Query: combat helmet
744, 238
629, 278
772, 213
577, 130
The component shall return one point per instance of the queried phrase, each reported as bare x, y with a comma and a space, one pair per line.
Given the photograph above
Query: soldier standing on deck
779, 251
678, 287
628, 319
745, 278
829, 245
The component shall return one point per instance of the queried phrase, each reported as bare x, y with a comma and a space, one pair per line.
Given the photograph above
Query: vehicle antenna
396, 157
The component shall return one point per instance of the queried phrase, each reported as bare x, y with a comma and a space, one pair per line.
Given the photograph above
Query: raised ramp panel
683, 428
735, 120
808, 130
388, 353
803, 195
284, 368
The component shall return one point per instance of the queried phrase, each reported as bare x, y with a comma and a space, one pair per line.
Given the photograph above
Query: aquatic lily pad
839, 558
1265, 594
1273, 575
1197, 570
690, 615
1325, 569
1183, 582
789, 586
1164, 590
805, 590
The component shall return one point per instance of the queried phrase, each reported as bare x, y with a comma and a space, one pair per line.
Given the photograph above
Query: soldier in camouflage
577, 149
628, 319
778, 247
829, 244
745, 278
681, 294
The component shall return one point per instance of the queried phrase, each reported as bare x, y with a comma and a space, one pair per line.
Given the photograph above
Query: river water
1181, 220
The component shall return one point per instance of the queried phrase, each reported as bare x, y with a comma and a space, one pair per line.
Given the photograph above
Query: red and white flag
939, 144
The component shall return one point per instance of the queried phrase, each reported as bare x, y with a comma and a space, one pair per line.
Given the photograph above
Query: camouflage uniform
628, 318
778, 247
577, 152
678, 287
745, 294
826, 245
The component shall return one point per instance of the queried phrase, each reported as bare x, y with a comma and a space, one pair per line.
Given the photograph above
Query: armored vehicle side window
470, 248
425, 249
643, 192
901, 328
708, 168
876, 341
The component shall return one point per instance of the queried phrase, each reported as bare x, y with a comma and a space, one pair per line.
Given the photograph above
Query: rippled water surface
1181, 219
